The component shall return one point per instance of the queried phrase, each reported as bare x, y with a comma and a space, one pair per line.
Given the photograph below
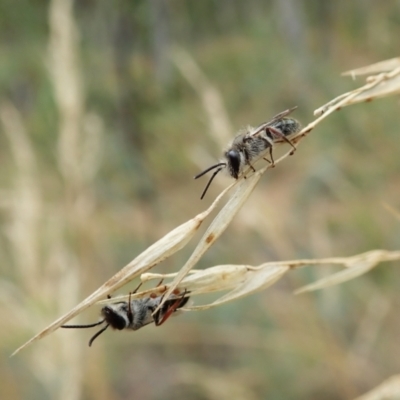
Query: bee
135, 314
252, 143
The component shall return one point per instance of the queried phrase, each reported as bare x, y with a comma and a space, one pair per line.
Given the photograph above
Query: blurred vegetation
101, 135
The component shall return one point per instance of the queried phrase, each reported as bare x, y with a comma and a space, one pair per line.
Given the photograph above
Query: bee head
234, 160
116, 315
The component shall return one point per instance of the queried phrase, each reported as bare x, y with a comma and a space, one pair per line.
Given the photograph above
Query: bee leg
251, 167
278, 133
247, 158
269, 145
137, 288
272, 157
266, 159
130, 313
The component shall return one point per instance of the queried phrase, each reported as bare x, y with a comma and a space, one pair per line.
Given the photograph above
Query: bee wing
281, 115
169, 308
277, 117
259, 129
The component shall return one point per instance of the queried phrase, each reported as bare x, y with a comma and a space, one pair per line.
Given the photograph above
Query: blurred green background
107, 111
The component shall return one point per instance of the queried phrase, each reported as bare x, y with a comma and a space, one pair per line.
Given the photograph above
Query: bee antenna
211, 179
98, 334
83, 326
210, 168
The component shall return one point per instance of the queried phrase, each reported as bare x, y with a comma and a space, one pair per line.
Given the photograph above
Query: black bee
135, 314
251, 143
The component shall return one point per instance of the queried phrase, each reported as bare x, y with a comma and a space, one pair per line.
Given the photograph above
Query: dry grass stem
211, 99
218, 278
356, 266
392, 210
244, 280
159, 251
240, 280
256, 280
242, 190
383, 84
67, 82
26, 204
388, 390
382, 66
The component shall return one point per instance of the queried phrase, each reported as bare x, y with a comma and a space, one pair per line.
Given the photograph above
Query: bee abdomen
288, 126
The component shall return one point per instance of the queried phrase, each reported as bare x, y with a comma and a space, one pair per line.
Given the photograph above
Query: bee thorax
142, 310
